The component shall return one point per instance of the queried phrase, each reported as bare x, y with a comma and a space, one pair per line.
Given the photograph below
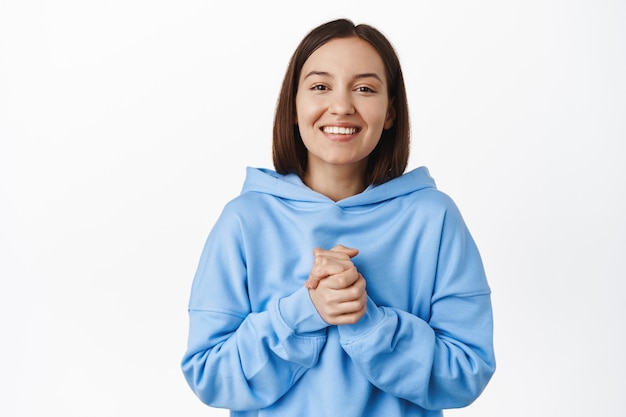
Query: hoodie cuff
299, 313
372, 318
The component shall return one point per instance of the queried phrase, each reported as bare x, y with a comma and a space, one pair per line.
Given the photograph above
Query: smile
336, 130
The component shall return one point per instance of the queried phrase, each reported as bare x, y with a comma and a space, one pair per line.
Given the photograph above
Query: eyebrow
356, 77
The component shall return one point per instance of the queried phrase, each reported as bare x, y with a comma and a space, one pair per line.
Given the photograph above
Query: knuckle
340, 281
355, 293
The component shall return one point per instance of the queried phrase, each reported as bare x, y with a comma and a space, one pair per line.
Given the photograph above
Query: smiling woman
338, 284
389, 158
342, 107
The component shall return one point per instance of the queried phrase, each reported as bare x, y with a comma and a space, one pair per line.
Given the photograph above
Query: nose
341, 103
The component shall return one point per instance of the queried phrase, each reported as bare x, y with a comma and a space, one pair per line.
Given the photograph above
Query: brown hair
390, 157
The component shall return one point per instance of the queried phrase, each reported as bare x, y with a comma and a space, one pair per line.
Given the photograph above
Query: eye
319, 87
365, 89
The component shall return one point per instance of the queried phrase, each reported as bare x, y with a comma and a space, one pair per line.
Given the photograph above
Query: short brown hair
390, 157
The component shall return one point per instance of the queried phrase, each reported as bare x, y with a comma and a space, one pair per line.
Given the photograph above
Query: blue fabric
258, 346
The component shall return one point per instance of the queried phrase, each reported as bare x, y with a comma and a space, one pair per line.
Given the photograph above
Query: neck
337, 183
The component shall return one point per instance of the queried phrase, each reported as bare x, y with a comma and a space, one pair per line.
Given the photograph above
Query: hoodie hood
291, 187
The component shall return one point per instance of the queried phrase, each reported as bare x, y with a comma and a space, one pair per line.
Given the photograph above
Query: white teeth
336, 130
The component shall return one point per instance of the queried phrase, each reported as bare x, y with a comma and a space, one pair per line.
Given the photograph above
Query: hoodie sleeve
238, 358
445, 360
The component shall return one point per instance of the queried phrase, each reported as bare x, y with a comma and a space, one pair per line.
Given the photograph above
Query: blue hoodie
257, 345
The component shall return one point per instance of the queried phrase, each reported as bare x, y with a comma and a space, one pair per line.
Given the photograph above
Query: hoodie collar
291, 187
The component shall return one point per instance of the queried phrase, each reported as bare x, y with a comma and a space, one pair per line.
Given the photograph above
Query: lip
341, 137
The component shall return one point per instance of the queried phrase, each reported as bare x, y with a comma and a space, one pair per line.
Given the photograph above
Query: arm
238, 358
446, 360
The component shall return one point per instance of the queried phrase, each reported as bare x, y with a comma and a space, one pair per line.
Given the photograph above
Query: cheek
376, 120
376, 114
297, 112
301, 111
306, 113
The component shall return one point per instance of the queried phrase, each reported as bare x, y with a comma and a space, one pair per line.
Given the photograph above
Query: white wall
126, 125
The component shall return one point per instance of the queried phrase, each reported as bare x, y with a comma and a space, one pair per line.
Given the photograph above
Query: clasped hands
336, 288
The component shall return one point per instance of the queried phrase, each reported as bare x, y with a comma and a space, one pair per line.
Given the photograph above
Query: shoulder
418, 187
249, 209
431, 200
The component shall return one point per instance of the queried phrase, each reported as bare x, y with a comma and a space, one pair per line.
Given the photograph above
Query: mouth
340, 130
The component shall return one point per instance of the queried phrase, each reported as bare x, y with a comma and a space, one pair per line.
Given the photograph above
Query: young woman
337, 285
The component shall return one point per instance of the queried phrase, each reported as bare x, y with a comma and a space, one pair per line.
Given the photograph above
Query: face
342, 104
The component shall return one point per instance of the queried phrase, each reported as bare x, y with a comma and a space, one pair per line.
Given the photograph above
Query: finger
338, 252
328, 262
355, 291
351, 252
342, 280
350, 318
311, 283
333, 311
345, 273
332, 299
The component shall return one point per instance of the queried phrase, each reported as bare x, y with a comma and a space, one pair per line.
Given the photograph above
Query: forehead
345, 56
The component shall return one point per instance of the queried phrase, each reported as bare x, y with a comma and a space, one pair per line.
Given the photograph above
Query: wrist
372, 318
299, 313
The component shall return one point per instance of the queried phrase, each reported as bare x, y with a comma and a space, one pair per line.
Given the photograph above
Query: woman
337, 284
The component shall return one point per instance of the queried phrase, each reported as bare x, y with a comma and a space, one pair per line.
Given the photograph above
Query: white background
126, 125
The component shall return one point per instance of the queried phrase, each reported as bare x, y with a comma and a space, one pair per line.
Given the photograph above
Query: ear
391, 114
